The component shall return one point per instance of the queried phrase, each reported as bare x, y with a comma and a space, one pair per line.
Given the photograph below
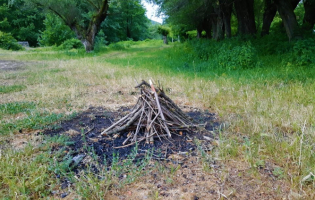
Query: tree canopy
24, 22
214, 16
84, 17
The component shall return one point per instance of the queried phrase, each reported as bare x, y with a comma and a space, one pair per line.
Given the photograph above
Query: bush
72, 43
243, 56
117, 46
202, 48
272, 44
303, 52
8, 42
100, 41
55, 33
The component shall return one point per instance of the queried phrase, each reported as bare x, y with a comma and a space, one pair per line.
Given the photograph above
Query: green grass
11, 88
35, 120
25, 178
16, 107
267, 110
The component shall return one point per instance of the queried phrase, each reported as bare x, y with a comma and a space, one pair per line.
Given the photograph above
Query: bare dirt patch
10, 65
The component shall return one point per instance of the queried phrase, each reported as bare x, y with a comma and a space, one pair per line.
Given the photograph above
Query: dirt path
11, 65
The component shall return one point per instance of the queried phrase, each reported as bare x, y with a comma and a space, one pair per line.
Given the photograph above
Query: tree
309, 16
22, 21
286, 11
245, 17
84, 17
55, 33
127, 20
270, 10
164, 31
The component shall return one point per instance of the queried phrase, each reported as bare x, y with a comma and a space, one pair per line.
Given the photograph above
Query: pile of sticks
154, 116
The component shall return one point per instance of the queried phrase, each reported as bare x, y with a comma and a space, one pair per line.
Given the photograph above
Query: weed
34, 121
12, 88
24, 178
303, 52
278, 172
206, 159
16, 107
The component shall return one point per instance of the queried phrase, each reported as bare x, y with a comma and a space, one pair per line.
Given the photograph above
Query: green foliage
24, 22
117, 46
303, 52
273, 44
72, 43
11, 88
55, 33
203, 49
234, 57
130, 23
8, 42
163, 30
227, 54
153, 31
191, 34
100, 41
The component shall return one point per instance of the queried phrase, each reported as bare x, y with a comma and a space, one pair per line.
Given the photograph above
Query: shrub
203, 48
117, 46
272, 44
72, 43
8, 42
243, 56
100, 41
303, 52
55, 33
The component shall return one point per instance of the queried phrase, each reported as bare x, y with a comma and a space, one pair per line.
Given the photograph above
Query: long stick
160, 110
131, 120
122, 119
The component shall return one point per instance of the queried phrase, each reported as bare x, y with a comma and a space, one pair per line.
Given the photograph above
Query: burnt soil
84, 132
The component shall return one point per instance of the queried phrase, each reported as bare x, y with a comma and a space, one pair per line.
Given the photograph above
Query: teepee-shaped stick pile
154, 116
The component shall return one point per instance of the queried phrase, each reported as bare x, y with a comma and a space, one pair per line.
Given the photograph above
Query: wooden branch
115, 124
160, 110
131, 120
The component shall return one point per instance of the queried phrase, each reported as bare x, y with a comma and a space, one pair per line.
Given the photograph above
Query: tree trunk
220, 27
208, 28
165, 39
94, 26
226, 8
309, 16
270, 11
88, 45
199, 32
245, 16
214, 27
286, 11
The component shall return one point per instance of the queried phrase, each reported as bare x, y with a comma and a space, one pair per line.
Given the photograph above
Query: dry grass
263, 123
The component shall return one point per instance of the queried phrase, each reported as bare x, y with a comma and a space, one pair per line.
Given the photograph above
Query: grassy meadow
264, 102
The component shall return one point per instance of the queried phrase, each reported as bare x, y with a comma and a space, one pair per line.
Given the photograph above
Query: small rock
64, 185
195, 198
63, 195
77, 159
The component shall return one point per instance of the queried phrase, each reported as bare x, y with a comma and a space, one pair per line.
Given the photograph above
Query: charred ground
84, 132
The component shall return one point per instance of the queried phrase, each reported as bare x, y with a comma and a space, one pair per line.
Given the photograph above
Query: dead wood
154, 116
